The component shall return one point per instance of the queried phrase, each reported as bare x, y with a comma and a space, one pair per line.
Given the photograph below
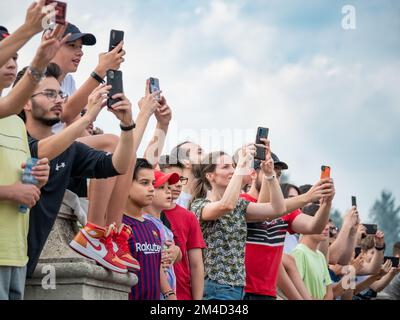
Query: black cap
88, 39
278, 163
3, 33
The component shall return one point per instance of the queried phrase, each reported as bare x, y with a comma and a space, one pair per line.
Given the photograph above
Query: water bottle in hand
28, 178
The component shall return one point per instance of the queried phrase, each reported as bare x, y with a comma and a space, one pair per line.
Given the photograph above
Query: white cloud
222, 68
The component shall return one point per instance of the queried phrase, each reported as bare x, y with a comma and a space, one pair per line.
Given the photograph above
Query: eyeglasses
184, 180
52, 95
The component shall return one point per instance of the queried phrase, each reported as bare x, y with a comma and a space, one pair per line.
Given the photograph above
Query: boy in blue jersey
145, 241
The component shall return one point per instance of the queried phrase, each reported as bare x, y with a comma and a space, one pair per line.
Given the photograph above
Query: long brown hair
207, 165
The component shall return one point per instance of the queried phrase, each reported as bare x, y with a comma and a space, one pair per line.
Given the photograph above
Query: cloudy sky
328, 94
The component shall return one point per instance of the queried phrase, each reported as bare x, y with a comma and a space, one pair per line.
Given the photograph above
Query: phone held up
325, 172
116, 36
262, 133
155, 86
114, 78
61, 10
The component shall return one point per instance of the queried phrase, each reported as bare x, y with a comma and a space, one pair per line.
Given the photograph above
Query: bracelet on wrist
381, 248
96, 77
168, 294
269, 178
128, 128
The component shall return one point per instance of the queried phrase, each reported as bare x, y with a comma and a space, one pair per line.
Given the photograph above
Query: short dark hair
286, 187
304, 188
52, 71
396, 248
140, 164
167, 161
310, 209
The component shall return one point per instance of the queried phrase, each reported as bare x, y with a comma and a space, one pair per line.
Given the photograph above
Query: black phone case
353, 201
371, 228
260, 152
116, 36
395, 261
114, 78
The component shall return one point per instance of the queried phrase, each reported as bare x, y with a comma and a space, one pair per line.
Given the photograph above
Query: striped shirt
145, 247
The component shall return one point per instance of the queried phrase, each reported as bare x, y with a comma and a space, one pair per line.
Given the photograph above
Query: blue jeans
215, 291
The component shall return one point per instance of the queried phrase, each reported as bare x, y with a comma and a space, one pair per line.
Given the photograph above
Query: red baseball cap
161, 178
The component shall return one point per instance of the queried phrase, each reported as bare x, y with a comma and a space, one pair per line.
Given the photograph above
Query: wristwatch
37, 76
270, 178
128, 128
95, 76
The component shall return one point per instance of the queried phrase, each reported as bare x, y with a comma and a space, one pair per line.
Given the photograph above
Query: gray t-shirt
393, 288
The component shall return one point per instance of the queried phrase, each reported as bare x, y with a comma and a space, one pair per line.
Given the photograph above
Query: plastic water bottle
28, 178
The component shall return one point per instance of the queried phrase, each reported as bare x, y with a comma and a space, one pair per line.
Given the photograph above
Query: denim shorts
216, 291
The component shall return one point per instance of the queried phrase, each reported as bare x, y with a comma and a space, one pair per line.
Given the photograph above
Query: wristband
128, 128
381, 248
168, 294
96, 77
270, 178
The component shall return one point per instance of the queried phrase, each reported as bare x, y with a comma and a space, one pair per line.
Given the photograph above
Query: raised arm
341, 250
32, 25
77, 102
275, 208
20, 94
214, 210
375, 264
156, 144
305, 224
53, 146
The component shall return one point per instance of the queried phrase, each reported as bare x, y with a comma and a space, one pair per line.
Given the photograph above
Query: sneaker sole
91, 255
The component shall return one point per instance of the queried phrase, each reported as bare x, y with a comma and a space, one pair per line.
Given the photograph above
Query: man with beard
73, 159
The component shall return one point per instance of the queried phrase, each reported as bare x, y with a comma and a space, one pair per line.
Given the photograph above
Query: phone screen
155, 86
325, 172
61, 11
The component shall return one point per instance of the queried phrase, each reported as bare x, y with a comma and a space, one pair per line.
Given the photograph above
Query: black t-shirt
78, 161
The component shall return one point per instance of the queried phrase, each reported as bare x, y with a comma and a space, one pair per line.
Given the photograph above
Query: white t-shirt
184, 199
68, 86
291, 241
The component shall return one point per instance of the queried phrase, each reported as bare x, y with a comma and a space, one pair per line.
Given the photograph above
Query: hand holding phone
155, 86
395, 261
114, 78
262, 133
353, 201
61, 11
116, 36
325, 172
371, 228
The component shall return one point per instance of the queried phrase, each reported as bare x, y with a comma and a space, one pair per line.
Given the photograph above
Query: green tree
386, 215
337, 218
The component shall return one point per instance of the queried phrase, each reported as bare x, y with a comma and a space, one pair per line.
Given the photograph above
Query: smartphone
353, 201
371, 228
256, 164
395, 261
325, 172
114, 78
61, 11
155, 86
262, 133
116, 36
357, 251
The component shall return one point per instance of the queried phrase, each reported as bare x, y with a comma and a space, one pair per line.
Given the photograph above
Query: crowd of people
190, 225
